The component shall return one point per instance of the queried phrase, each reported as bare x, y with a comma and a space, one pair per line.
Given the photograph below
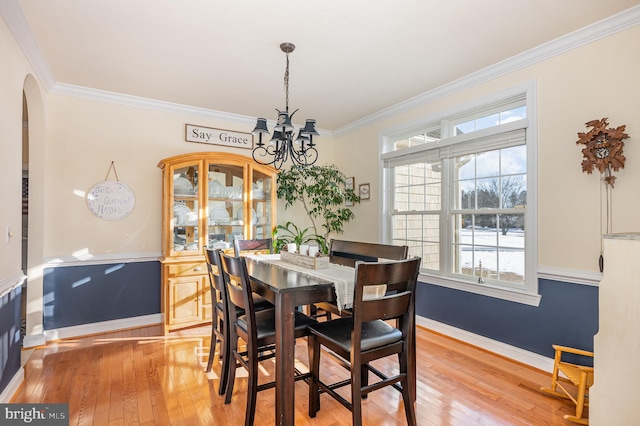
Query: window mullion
445, 218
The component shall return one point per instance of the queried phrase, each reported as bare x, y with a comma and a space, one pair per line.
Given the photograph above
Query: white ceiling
353, 58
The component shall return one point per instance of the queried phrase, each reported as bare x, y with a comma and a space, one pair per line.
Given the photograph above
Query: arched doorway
25, 211
34, 150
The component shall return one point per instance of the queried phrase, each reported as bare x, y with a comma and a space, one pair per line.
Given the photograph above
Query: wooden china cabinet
208, 199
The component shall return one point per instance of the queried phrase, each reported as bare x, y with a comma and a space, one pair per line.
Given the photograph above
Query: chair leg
582, 391
212, 347
554, 376
407, 398
314, 366
409, 408
356, 393
231, 376
252, 387
226, 356
364, 378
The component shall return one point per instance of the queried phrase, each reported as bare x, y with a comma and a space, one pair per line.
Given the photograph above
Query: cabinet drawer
187, 269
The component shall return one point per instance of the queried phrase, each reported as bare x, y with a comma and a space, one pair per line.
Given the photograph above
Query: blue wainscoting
10, 340
77, 295
567, 315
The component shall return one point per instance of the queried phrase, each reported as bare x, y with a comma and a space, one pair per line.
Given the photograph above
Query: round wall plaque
111, 200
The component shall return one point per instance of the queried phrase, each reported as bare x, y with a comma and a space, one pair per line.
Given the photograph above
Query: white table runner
343, 277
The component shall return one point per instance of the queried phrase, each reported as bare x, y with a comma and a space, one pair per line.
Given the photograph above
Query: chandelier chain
286, 85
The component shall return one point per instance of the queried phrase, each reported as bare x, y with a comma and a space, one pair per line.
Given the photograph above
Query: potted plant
290, 233
323, 191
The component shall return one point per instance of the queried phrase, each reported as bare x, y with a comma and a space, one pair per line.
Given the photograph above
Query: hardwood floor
138, 377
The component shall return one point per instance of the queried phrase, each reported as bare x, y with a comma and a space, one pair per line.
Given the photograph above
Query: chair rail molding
572, 276
88, 259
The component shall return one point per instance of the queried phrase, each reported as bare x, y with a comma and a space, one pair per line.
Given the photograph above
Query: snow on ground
493, 249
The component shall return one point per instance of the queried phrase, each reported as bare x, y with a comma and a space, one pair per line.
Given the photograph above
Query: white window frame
528, 292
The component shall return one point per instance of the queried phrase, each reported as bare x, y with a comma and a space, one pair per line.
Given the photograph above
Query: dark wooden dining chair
220, 332
255, 246
219, 321
255, 328
367, 335
347, 253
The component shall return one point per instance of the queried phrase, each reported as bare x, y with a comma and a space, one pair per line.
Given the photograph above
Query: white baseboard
529, 358
34, 340
102, 327
12, 387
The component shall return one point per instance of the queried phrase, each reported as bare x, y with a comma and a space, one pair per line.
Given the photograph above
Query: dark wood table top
279, 279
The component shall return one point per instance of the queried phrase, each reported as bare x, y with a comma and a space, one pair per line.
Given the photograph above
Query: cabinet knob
197, 269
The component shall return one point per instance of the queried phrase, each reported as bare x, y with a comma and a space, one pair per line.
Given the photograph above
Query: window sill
532, 299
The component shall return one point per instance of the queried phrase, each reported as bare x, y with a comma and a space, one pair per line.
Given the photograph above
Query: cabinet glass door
184, 220
224, 205
260, 200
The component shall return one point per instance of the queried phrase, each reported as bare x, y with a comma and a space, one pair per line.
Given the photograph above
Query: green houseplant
322, 191
290, 233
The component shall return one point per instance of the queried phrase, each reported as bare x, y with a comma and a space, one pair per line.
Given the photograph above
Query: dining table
289, 286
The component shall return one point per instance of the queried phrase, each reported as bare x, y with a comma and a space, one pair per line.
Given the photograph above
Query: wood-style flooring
139, 377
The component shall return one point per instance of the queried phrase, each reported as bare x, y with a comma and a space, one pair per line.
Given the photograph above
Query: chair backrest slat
259, 245
347, 253
234, 273
385, 308
212, 258
399, 276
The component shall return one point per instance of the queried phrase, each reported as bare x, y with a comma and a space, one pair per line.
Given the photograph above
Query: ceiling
352, 58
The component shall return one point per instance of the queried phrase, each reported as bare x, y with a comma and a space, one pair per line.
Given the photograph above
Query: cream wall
13, 72
591, 82
85, 137
16, 78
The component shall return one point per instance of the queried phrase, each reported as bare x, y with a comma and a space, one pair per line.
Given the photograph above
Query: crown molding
598, 30
162, 106
140, 102
17, 24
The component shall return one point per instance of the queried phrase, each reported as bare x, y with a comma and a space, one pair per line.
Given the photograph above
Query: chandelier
284, 144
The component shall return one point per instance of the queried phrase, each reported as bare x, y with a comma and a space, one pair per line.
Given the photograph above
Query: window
459, 193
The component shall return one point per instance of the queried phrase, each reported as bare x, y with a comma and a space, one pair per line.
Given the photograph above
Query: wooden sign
111, 200
213, 136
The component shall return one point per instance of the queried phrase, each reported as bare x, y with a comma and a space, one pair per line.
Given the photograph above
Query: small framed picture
364, 191
350, 184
